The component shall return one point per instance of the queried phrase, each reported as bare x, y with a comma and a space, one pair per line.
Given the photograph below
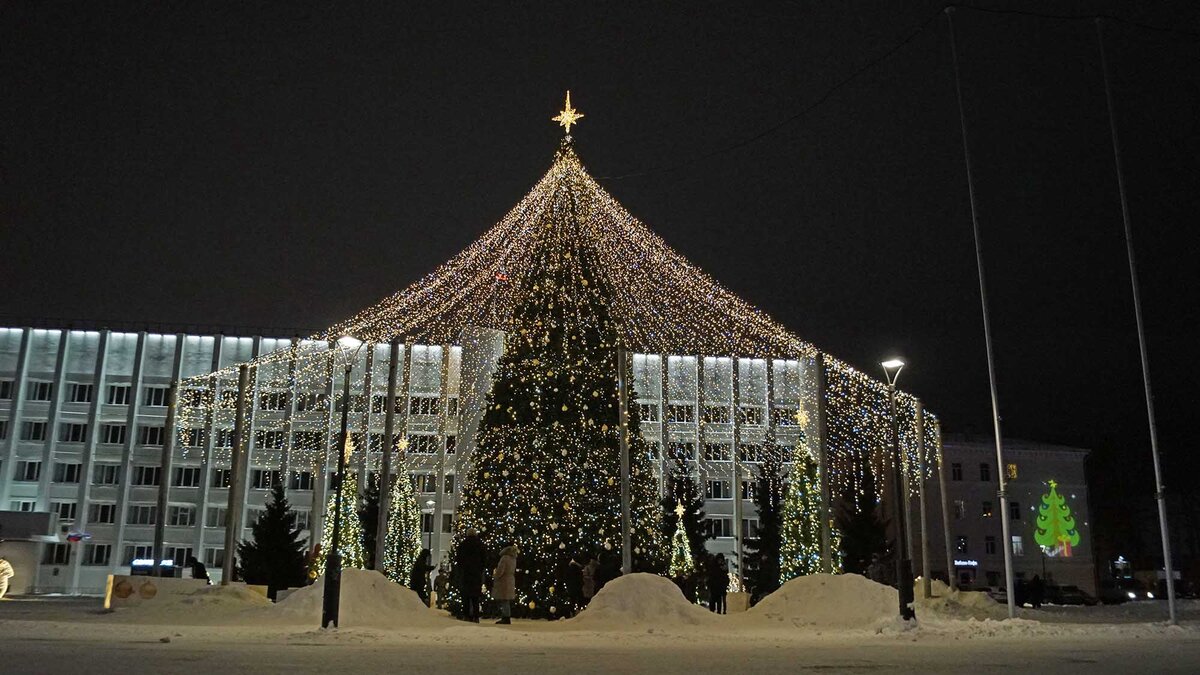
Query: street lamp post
333, 558
904, 573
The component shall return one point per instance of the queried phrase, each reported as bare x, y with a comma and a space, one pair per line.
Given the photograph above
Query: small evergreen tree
682, 564
864, 533
1056, 532
800, 544
762, 559
403, 540
683, 488
351, 544
275, 557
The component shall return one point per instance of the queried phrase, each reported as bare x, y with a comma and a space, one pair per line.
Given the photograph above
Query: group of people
470, 565
709, 583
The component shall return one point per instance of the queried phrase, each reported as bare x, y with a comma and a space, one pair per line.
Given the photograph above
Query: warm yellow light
568, 116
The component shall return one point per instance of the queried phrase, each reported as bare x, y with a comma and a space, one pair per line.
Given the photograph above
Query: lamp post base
333, 591
905, 589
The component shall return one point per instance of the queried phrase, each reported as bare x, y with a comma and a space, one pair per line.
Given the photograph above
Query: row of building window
720, 452
985, 471
73, 432
750, 415
280, 401
961, 545
81, 392
986, 509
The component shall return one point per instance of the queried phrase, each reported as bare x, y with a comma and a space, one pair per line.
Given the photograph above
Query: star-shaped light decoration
568, 116
679, 510
348, 449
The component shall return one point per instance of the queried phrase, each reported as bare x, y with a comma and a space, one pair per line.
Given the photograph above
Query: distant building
974, 513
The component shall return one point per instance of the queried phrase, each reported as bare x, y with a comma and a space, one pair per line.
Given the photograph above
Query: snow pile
208, 604
947, 603
637, 601
368, 599
827, 601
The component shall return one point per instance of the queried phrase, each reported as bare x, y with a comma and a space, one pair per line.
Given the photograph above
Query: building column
60, 374
131, 439
321, 466
285, 455
736, 465
210, 439
664, 427
239, 461
440, 485
700, 436
364, 461
15, 415
167, 463
99, 376
249, 440
389, 446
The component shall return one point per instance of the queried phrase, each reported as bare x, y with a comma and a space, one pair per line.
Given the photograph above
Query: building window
67, 472
181, 516
186, 476
653, 450
1010, 470
989, 545
750, 453
749, 487
224, 438
57, 554
155, 396
214, 516
302, 518
310, 400
141, 514
718, 489
447, 523
33, 431
146, 475
178, 555
270, 440
137, 552
717, 526
450, 484
263, 479
427, 522
28, 470
424, 482
750, 528
960, 509
718, 452
987, 510
1014, 510
985, 472
6, 387
716, 414
681, 451
112, 433
106, 474
77, 392
273, 400
960, 545
423, 444
220, 478
24, 505
648, 412
750, 415
96, 554
65, 510
192, 397
3, 429
784, 417
451, 443
301, 480
424, 405
193, 437
956, 471
308, 440
102, 514
681, 412
72, 433
214, 557
40, 391
118, 394
151, 435
1018, 545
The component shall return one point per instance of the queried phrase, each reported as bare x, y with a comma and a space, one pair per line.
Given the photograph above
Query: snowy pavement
219, 631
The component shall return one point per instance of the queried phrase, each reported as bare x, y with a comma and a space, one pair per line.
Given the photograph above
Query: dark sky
277, 164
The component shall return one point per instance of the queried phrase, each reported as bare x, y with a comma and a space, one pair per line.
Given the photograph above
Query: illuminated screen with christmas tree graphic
1056, 532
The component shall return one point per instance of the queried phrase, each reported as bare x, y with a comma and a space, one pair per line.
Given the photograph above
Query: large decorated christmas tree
546, 469
402, 544
800, 547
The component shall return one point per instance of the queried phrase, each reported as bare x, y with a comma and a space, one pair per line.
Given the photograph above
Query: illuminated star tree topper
568, 116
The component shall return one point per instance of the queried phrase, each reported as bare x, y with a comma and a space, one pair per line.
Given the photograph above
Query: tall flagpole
987, 333
1141, 331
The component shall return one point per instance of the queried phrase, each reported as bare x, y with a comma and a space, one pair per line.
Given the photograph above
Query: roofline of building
988, 442
160, 327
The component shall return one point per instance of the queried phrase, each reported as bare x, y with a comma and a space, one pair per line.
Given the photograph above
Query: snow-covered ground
638, 623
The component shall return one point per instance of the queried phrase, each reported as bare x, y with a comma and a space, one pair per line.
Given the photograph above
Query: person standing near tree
504, 582
441, 581
718, 584
6, 573
419, 579
468, 567
199, 571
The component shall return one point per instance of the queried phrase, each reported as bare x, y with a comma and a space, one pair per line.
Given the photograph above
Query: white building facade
82, 430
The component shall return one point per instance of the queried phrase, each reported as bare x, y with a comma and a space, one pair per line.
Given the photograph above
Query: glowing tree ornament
1056, 532
681, 553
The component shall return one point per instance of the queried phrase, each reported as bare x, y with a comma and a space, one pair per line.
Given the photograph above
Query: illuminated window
1010, 470
987, 509
960, 509
1018, 546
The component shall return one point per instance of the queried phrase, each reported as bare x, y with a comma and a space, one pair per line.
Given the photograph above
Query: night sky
283, 165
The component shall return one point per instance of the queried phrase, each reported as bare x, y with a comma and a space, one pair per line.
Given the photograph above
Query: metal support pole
904, 574
623, 411
926, 586
987, 332
233, 505
385, 470
164, 477
1159, 494
823, 468
333, 558
736, 468
951, 578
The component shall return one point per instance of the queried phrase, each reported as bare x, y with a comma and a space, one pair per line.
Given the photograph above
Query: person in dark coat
609, 569
419, 579
1037, 591
199, 571
718, 584
469, 565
